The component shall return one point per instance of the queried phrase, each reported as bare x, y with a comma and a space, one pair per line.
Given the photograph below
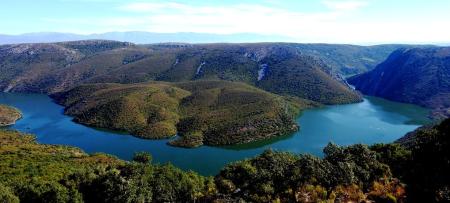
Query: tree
142, 157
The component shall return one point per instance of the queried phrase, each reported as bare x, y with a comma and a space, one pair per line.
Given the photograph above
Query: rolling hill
56, 67
201, 112
419, 76
345, 59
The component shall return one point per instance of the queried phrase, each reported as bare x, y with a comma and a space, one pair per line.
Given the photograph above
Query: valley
218, 109
178, 101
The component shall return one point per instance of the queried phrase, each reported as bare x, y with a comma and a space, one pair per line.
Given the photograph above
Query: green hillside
56, 67
202, 112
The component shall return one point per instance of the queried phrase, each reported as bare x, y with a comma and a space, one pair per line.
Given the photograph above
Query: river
374, 120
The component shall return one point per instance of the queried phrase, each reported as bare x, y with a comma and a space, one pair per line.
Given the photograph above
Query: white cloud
344, 5
338, 24
175, 17
152, 7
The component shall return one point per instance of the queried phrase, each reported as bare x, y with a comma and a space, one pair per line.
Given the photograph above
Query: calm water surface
373, 121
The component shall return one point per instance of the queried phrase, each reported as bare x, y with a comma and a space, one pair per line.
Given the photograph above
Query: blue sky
333, 21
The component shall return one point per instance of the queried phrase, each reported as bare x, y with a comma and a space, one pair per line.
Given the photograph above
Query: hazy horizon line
287, 39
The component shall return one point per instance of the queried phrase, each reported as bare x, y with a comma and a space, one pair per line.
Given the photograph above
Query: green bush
142, 157
7, 195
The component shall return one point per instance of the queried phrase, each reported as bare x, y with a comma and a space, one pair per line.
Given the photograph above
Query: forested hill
419, 76
200, 112
275, 67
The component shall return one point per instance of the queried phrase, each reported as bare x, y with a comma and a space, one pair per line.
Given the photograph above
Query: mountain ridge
55, 67
418, 75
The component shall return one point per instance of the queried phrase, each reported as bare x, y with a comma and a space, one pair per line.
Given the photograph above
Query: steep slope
348, 59
277, 68
51, 68
8, 115
202, 112
419, 76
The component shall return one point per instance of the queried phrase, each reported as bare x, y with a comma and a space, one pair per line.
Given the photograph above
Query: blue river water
374, 120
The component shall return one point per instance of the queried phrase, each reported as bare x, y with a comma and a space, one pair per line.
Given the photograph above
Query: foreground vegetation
201, 112
415, 172
34, 173
8, 115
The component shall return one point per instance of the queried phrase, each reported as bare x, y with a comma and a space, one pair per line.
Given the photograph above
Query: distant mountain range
142, 37
344, 59
419, 76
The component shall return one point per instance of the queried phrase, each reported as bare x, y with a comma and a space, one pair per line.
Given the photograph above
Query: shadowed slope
418, 76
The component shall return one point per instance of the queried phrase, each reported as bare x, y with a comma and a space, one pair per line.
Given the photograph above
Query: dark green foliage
140, 183
395, 155
422, 162
260, 179
272, 175
129, 183
142, 157
38, 191
428, 177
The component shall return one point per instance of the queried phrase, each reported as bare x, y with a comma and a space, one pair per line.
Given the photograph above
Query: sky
327, 21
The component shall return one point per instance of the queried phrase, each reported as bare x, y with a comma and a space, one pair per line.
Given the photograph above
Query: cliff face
418, 76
